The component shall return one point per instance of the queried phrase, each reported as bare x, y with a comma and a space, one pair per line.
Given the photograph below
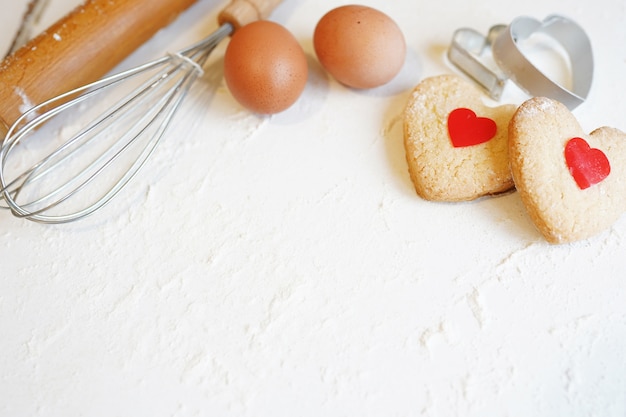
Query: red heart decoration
588, 166
466, 129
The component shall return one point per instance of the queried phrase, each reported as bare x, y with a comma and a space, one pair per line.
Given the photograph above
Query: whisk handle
241, 12
79, 49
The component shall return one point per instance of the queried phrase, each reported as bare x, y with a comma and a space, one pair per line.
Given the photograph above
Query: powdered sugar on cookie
453, 158
564, 204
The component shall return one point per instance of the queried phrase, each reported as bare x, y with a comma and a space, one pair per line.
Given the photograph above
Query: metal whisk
83, 173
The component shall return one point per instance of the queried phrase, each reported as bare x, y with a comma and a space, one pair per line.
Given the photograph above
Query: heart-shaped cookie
572, 184
456, 146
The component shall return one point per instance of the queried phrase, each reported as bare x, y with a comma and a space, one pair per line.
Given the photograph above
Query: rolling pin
79, 49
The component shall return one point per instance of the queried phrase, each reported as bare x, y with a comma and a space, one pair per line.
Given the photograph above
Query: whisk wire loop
126, 134
108, 160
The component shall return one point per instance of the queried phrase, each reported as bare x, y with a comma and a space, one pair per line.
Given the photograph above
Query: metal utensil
86, 171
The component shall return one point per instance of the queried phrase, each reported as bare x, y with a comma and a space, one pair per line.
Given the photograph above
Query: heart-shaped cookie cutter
510, 63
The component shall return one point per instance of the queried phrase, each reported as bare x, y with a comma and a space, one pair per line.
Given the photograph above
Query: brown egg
360, 46
265, 67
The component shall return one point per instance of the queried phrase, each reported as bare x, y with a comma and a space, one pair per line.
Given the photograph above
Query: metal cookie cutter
510, 63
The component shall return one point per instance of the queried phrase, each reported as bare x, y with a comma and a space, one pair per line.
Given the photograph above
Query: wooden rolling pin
79, 49
89, 42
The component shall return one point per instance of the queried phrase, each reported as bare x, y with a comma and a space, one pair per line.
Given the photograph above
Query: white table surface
284, 266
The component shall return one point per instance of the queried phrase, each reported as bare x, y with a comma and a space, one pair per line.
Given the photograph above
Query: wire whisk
85, 172
129, 130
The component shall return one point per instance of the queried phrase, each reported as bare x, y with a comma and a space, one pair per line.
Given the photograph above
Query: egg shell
359, 46
265, 67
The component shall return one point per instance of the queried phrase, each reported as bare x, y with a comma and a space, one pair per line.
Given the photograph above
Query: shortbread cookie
456, 146
572, 184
